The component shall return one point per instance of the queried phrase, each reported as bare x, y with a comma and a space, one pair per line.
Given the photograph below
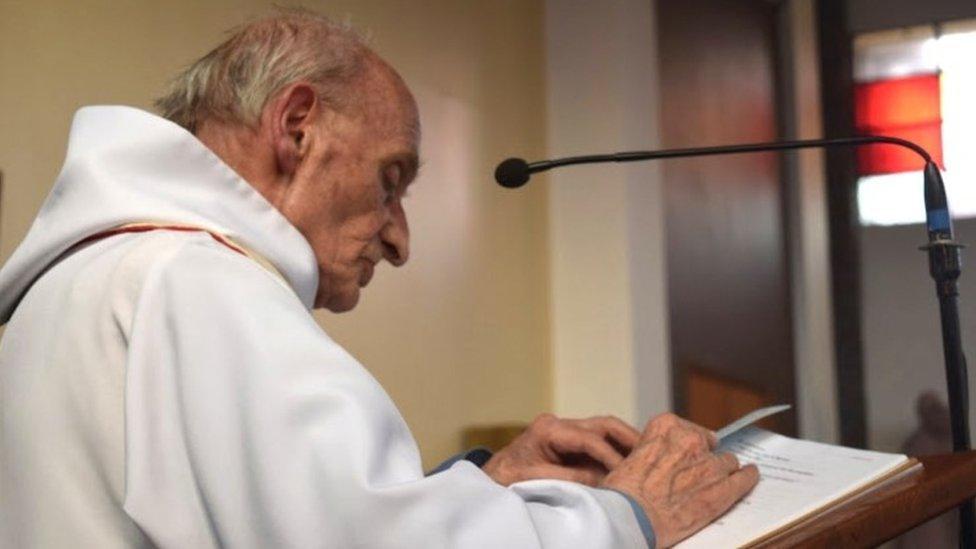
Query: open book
798, 480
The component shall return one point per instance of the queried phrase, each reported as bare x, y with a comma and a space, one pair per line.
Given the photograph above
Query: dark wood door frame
837, 93
728, 270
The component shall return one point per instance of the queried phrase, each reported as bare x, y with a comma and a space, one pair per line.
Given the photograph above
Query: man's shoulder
106, 282
196, 255
183, 271
170, 260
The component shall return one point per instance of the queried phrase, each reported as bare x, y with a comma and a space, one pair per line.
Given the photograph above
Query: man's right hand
676, 478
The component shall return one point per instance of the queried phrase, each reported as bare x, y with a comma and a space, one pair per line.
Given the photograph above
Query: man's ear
293, 114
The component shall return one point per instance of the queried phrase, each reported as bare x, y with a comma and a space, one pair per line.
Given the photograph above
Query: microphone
512, 173
943, 254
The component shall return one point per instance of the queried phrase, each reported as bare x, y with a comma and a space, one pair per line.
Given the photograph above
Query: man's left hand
579, 450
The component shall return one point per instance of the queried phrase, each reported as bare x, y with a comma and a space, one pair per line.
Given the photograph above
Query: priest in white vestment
163, 383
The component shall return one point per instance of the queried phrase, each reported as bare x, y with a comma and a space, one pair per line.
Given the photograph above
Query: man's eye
391, 181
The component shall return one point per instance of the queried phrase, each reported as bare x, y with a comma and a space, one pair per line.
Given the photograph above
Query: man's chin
339, 303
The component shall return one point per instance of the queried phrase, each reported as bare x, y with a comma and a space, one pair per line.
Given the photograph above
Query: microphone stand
943, 254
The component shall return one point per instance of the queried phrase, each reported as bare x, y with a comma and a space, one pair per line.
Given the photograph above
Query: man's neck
242, 149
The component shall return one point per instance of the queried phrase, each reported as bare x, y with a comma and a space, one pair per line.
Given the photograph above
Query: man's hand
580, 450
676, 478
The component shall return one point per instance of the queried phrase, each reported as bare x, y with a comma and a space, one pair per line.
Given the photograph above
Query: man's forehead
404, 125
405, 119
395, 110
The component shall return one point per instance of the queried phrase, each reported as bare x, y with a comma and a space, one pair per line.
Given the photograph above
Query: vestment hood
125, 165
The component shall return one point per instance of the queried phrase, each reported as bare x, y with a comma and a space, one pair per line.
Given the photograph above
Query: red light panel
909, 108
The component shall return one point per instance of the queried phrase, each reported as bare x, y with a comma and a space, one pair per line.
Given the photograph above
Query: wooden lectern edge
900, 474
889, 508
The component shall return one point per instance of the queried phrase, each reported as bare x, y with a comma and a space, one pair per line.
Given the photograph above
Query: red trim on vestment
144, 228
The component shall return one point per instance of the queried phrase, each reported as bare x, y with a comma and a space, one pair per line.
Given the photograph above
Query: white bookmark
749, 419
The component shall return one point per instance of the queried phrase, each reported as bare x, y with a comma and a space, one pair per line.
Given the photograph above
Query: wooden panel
727, 265
714, 401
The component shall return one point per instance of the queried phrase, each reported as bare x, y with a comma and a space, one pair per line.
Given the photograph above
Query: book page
749, 419
797, 477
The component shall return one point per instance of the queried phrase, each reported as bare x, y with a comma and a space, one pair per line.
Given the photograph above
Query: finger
708, 434
619, 431
676, 455
692, 443
718, 497
709, 470
730, 461
571, 439
668, 445
675, 440
689, 476
581, 475
714, 500
666, 423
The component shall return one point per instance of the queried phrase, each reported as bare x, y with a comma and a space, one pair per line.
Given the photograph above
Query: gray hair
233, 82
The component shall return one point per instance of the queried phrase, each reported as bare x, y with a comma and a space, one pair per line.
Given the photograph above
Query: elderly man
162, 382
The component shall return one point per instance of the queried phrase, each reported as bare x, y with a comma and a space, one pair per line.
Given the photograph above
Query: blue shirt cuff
642, 520
478, 456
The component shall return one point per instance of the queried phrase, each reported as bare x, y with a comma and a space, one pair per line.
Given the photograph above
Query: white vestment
161, 389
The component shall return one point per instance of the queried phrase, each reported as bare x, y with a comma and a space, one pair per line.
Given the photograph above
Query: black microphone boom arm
515, 172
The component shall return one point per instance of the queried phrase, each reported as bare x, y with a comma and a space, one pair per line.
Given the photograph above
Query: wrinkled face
348, 193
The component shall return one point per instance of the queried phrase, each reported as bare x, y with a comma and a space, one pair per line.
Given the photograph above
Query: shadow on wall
932, 436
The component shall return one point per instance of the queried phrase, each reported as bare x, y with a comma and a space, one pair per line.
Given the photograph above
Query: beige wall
607, 235
902, 334
458, 336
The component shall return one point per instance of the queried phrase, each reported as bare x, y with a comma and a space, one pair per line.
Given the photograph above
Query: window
920, 84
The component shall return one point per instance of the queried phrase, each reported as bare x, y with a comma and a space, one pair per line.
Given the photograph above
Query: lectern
941, 483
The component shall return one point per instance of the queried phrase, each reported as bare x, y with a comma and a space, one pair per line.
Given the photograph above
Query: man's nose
396, 238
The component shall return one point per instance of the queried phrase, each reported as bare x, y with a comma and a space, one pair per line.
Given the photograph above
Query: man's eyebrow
409, 161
